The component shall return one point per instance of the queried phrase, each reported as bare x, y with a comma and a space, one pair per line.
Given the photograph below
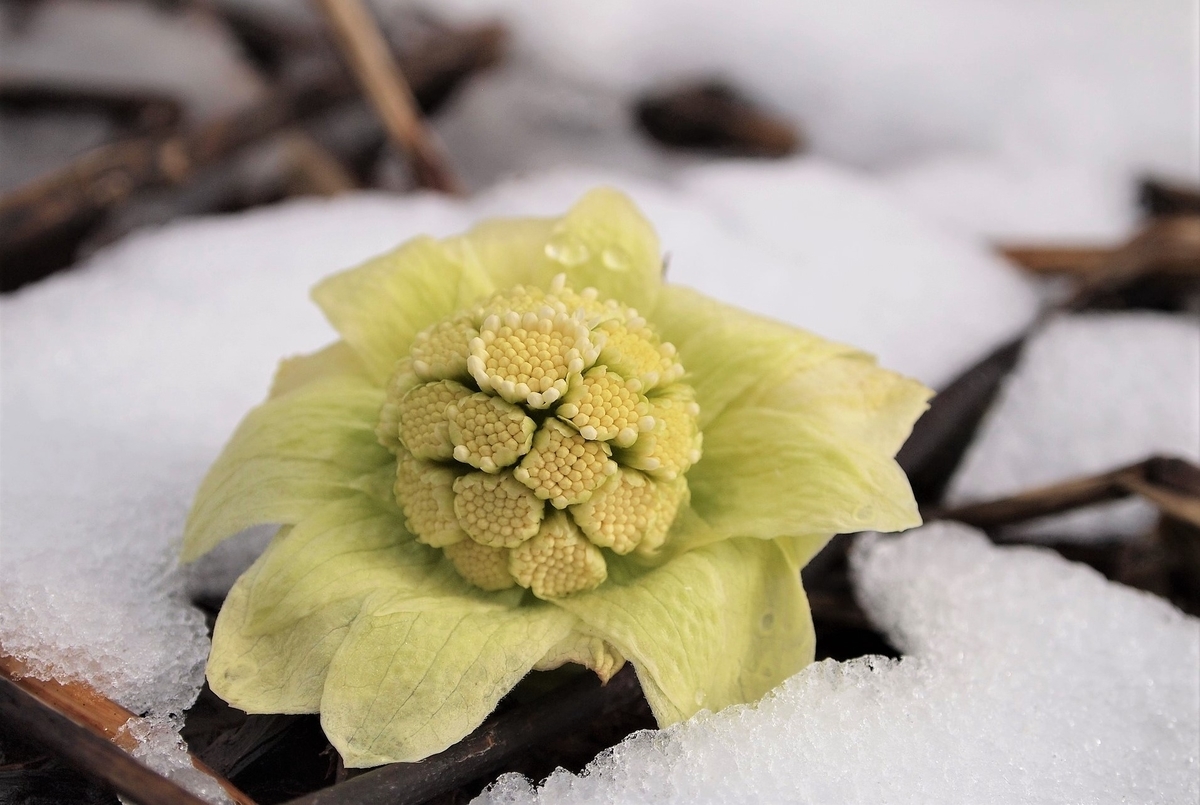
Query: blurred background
1019, 122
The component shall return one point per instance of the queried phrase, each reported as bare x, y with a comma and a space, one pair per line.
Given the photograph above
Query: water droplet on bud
568, 250
615, 259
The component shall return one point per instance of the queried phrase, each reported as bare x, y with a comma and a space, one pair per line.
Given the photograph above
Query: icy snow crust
1090, 394
1007, 119
1026, 678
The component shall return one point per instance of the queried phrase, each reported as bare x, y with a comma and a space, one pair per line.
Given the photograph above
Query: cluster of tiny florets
537, 431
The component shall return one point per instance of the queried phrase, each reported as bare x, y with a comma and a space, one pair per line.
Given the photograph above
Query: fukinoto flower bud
597, 452
499, 468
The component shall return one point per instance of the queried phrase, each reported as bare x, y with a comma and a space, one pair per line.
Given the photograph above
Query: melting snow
1026, 678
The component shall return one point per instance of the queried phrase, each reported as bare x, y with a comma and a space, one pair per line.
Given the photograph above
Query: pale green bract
716, 453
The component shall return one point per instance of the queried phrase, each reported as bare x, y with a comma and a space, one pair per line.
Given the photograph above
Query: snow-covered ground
1025, 678
1004, 118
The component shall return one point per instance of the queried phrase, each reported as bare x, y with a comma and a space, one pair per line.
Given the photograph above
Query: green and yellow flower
527, 450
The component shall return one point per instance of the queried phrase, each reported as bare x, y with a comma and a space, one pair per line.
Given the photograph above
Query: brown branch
1171, 484
85, 750
109, 174
1167, 247
365, 49
86, 711
1075, 261
488, 748
135, 109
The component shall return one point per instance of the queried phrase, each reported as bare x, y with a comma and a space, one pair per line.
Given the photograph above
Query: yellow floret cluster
537, 432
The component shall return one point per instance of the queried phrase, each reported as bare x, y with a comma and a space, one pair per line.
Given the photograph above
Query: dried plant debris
714, 116
69, 191
1161, 197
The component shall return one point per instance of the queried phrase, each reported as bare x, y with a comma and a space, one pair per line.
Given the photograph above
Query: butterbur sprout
528, 450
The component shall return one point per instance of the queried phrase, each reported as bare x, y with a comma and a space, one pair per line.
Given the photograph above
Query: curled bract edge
527, 450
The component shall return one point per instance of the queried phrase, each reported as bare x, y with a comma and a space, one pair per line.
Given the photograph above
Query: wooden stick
87, 710
1074, 261
136, 109
367, 52
1168, 246
486, 749
85, 750
1145, 478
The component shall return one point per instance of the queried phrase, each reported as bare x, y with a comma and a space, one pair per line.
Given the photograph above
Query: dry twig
1159, 197
366, 50
76, 722
1167, 248
1072, 261
1172, 484
87, 751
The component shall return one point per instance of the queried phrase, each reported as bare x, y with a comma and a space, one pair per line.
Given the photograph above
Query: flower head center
538, 431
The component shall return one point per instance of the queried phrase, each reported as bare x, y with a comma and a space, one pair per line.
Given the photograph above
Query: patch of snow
1026, 678
923, 298
161, 748
1013, 119
521, 118
1091, 393
111, 44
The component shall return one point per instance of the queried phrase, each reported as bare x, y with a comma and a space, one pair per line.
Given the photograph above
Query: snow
523, 118
123, 378
1011, 119
1025, 678
1091, 393
131, 46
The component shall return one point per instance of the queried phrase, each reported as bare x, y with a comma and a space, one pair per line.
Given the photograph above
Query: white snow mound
1010, 119
1026, 678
